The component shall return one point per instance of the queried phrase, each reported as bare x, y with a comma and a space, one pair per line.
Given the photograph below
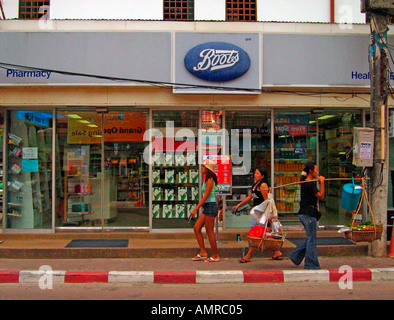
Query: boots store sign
217, 61
206, 61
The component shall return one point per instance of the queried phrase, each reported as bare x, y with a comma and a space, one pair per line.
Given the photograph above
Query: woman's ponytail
310, 166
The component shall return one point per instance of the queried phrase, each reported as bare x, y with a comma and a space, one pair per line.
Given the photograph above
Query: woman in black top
259, 193
309, 215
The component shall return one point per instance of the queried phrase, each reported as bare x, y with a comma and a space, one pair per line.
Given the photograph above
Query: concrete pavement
181, 270
166, 258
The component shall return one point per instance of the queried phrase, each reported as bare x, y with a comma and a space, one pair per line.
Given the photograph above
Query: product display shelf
288, 165
29, 175
175, 186
130, 177
78, 189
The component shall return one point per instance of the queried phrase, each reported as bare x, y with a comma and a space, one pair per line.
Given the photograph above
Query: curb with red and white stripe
231, 276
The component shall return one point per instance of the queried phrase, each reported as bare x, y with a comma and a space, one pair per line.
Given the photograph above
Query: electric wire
174, 85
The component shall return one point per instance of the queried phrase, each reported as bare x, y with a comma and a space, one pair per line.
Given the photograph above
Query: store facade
98, 137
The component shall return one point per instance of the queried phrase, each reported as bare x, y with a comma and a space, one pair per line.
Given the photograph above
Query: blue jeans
307, 248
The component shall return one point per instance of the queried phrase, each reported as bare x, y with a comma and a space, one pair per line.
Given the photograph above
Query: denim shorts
211, 209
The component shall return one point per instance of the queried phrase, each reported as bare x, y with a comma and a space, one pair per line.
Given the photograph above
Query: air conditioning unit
378, 6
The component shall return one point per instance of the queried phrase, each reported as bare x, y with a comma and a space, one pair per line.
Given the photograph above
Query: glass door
79, 199
126, 175
295, 143
250, 147
335, 161
105, 180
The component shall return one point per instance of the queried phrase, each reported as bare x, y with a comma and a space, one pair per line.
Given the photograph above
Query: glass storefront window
79, 149
105, 181
29, 170
175, 168
335, 161
294, 145
250, 134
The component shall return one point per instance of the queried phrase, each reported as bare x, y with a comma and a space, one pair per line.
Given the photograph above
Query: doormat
325, 241
98, 243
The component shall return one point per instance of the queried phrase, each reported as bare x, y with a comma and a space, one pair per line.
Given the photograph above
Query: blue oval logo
217, 61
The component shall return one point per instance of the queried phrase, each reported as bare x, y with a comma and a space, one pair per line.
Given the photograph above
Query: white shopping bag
267, 210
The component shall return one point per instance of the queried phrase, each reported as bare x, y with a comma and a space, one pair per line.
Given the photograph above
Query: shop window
33, 9
180, 10
335, 161
250, 147
29, 170
175, 168
102, 187
295, 141
241, 10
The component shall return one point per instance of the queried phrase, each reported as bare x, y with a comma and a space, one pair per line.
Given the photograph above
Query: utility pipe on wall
332, 11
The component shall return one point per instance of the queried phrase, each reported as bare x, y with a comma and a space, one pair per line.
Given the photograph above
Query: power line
173, 85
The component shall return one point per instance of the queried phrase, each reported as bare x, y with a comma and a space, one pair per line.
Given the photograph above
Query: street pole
378, 186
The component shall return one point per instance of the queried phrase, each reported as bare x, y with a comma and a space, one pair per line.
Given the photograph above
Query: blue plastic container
351, 194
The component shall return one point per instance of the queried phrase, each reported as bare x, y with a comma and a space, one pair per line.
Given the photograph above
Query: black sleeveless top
257, 196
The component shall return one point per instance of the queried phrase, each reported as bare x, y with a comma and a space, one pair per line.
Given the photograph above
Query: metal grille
241, 10
33, 9
179, 10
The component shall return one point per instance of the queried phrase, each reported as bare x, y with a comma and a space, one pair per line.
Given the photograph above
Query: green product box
182, 193
156, 210
193, 176
156, 175
167, 211
157, 193
180, 211
169, 176
157, 158
190, 208
182, 177
191, 158
169, 157
169, 194
195, 193
180, 160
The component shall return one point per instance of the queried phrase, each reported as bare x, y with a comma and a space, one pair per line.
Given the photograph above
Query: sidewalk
181, 270
166, 258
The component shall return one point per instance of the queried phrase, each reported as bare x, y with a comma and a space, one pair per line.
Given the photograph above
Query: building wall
298, 11
106, 9
345, 11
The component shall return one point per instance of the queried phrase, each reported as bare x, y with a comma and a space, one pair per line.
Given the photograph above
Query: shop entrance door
126, 184
105, 181
79, 201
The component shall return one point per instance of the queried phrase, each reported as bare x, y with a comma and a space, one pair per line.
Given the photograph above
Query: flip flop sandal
210, 259
199, 258
276, 258
242, 260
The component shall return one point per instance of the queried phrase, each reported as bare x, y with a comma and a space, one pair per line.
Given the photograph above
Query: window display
252, 133
294, 145
335, 157
106, 182
175, 174
29, 170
